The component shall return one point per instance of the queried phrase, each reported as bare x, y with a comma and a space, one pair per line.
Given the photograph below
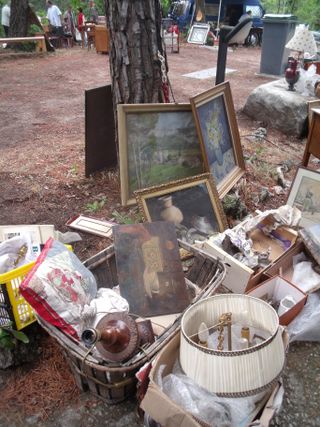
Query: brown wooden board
100, 144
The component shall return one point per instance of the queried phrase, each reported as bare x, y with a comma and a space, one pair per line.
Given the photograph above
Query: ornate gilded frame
230, 131
145, 195
126, 138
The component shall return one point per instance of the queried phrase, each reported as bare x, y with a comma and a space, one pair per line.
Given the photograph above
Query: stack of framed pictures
182, 157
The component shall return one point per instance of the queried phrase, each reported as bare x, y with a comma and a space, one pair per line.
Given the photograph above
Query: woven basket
114, 382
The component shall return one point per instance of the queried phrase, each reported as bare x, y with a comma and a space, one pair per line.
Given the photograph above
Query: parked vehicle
183, 11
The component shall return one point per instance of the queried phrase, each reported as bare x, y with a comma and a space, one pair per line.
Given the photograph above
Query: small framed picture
219, 136
191, 204
305, 195
198, 33
158, 143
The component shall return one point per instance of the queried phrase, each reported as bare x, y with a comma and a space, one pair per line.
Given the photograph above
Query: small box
241, 278
163, 410
277, 288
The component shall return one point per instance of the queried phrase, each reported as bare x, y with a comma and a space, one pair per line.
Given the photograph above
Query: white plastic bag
305, 277
78, 35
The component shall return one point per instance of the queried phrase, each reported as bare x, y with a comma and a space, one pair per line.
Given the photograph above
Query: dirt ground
42, 166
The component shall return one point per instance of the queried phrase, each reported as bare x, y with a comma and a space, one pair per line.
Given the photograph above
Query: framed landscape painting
191, 204
158, 143
305, 195
219, 136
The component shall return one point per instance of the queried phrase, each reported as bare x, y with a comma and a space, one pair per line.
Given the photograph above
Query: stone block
274, 105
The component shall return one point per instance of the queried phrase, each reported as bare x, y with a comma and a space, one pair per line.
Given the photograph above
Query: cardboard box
240, 278
284, 266
168, 414
277, 288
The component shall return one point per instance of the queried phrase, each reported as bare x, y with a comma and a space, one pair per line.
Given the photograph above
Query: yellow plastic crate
13, 307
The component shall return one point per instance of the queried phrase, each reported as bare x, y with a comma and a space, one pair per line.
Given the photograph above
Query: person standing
5, 18
81, 22
93, 13
69, 20
54, 17
246, 15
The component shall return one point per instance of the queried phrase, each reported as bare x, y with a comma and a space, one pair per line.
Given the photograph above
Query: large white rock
276, 106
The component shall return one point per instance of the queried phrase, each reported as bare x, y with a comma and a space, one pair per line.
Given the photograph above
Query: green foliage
96, 206
165, 7
307, 11
127, 218
9, 337
39, 6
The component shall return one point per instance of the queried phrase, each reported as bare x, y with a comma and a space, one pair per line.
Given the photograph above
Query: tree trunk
19, 18
135, 39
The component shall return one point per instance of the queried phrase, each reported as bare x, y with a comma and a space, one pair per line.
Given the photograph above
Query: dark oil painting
149, 268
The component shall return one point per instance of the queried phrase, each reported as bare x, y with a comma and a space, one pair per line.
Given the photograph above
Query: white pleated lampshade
234, 373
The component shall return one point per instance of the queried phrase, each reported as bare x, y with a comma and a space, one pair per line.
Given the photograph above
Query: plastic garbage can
277, 31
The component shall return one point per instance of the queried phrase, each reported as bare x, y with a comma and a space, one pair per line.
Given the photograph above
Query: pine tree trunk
19, 18
135, 39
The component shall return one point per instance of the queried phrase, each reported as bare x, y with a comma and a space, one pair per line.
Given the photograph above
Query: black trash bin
277, 31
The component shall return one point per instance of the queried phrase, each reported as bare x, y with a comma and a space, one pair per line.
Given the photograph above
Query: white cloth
5, 16
54, 16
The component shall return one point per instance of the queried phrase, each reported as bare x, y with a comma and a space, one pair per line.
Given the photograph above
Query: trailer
216, 12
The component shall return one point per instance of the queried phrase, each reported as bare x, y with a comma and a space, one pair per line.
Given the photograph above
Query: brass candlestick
224, 320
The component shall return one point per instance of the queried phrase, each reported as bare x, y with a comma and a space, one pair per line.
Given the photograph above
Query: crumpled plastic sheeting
305, 327
9, 252
106, 301
214, 410
307, 80
305, 277
284, 215
67, 237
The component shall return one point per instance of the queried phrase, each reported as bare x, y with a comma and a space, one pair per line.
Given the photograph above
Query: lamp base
291, 73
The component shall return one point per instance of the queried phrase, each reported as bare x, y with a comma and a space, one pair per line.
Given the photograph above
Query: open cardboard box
284, 266
168, 414
240, 278
277, 288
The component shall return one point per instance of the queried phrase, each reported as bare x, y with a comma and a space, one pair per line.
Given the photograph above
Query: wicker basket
115, 382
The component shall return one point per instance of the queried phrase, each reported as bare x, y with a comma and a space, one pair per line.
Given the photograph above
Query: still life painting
219, 136
158, 143
149, 268
305, 195
192, 205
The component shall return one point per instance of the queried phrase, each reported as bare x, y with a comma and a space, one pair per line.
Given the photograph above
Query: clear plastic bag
305, 327
206, 406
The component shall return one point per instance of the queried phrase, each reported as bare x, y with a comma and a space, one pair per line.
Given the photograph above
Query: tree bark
135, 39
19, 18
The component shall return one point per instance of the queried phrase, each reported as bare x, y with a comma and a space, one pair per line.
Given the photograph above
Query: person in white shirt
54, 17
5, 18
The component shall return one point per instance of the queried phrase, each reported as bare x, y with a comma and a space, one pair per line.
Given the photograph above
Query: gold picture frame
304, 194
219, 136
192, 204
158, 143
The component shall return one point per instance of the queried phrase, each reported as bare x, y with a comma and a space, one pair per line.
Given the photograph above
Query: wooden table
313, 142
